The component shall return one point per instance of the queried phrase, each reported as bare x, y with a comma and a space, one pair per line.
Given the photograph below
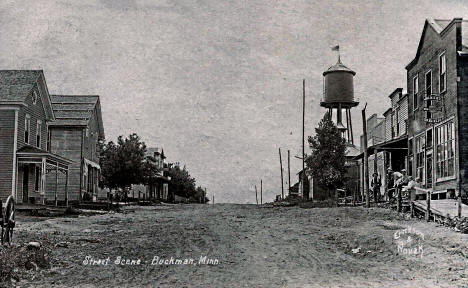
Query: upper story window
442, 73
34, 97
428, 88
397, 124
38, 133
49, 140
27, 128
415, 92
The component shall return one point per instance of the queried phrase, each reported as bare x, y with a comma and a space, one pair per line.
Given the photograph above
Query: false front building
75, 134
437, 80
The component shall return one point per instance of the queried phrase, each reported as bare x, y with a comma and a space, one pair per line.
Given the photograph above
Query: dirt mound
15, 259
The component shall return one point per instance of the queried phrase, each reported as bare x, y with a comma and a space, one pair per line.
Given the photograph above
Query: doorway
429, 169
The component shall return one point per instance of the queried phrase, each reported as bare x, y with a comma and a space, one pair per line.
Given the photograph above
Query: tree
182, 184
327, 160
123, 164
199, 196
151, 171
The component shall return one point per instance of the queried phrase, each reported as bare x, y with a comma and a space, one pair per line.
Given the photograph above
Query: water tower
338, 97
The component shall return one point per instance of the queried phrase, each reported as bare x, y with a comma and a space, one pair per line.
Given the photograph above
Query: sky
218, 84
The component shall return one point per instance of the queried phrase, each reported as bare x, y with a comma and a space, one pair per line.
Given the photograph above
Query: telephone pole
261, 191
303, 136
281, 165
366, 164
289, 173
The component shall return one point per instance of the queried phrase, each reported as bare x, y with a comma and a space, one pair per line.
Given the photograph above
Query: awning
91, 163
400, 143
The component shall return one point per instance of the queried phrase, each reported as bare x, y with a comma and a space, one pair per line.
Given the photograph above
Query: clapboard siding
36, 112
7, 132
91, 140
66, 142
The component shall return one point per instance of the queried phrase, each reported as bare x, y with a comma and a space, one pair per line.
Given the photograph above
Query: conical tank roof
339, 67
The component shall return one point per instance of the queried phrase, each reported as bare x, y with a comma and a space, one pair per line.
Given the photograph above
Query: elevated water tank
338, 85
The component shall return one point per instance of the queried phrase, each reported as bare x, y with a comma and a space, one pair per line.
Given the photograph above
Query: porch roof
30, 152
400, 143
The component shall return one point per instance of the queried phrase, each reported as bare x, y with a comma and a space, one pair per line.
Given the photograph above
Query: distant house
75, 135
159, 190
25, 158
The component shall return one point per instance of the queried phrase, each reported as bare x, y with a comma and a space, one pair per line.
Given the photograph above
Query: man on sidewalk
376, 183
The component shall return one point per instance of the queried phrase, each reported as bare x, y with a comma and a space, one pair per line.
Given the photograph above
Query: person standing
376, 183
390, 184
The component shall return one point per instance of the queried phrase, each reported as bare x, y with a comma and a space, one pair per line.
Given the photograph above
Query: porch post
16, 182
66, 187
56, 182
43, 179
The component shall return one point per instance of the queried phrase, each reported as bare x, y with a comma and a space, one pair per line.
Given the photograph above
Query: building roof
440, 26
338, 67
397, 91
15, 85
76, 110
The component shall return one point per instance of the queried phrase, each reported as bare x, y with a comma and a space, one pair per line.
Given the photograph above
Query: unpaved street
248, 246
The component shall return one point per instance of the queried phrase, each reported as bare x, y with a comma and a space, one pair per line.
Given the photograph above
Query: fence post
411, 201
398, 199
459, 205
428, 201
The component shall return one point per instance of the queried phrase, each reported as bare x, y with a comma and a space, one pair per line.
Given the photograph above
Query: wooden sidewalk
442, 208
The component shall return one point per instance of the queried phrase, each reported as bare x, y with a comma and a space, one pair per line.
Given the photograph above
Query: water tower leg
348, 135
339, 116
351, 127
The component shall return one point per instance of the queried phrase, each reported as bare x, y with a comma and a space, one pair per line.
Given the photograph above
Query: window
428, 93
410, 147
429, 138
27, 128
410, 166
445, 150
419, 146
397, 121
34, 97
442, 73
49, 139
415, 92
38, 134
37, 181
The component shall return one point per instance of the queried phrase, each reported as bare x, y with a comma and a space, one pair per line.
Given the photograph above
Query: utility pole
204, 197
256, 194
289, 173
213, 199
261, 191
303, 135
281, 165
366, 164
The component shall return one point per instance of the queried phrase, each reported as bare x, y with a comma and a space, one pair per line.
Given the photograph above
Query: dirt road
248, 246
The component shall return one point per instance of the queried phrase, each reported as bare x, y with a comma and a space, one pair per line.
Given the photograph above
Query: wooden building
437, 80
387, 140
159, 190
75, 134
25, 158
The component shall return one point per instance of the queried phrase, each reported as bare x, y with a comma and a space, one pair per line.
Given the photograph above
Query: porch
33, 164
